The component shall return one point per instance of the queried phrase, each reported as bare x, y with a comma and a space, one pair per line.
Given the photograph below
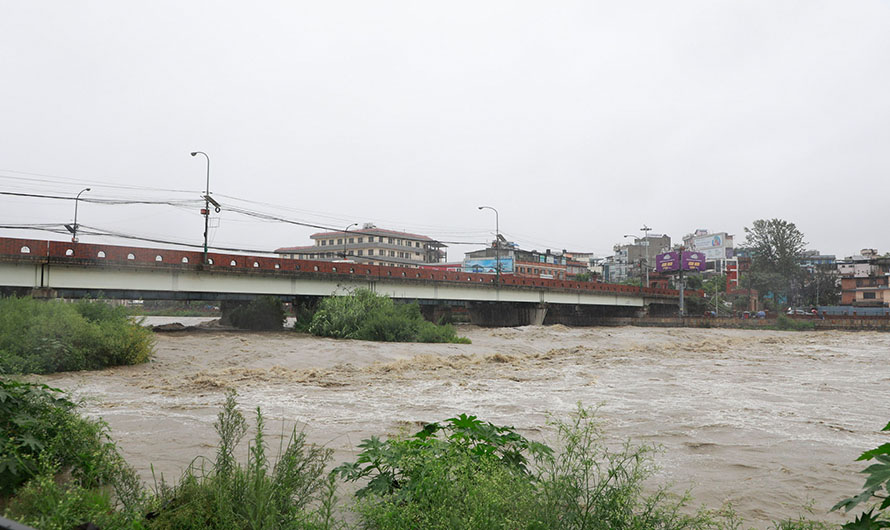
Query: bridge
43, 268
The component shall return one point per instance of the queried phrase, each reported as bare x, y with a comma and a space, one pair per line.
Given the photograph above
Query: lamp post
76, 202
497, 243
345, 238
206, 210
645, 231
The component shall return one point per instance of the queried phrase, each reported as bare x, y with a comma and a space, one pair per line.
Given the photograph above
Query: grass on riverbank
365, 315
38, 336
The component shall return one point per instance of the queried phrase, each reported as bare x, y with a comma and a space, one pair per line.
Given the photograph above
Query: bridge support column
507, 314
436, 313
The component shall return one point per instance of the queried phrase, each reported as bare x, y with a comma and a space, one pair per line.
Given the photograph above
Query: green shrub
51, 336
365, 315
261, 314
293, 493
481, 476
41, 433
790, 324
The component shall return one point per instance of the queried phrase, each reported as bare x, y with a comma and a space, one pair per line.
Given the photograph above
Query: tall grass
292, 492
39, 336
365, 315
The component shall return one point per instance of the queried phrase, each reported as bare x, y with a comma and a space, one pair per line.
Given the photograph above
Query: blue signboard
487, 265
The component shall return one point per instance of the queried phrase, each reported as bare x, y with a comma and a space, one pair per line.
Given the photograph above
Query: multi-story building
371, 245
631, 261
813, 259
865, 280
717, 247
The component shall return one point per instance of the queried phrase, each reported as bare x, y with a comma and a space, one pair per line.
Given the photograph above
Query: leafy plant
365, 315
877, 485
39, 336
39, 428
257, 495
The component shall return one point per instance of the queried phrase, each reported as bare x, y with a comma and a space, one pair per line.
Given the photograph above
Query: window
417, 244
390, 241
159, 258
869, 296
371, 252
351, 240
392, 253
350, 253
339, 241
323, 242
101, 254
26, 250
185, 259
361, 253
361, 240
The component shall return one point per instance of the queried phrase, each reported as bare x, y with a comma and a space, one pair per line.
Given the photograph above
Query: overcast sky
578, 121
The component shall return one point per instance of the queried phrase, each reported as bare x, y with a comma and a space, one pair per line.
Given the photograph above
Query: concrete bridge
76, 270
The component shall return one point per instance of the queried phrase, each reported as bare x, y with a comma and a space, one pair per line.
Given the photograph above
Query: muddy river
769, 421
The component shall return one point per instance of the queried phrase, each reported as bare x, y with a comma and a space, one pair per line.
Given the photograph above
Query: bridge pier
507, 314
436, 313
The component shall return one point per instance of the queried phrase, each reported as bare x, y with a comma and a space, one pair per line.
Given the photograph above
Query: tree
776, 247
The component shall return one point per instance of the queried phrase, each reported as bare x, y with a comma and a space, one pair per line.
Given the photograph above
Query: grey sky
579, 121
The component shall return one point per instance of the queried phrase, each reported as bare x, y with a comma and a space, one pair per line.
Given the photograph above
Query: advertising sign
693, 261
669, 261
486, 265
672, 261
714, 246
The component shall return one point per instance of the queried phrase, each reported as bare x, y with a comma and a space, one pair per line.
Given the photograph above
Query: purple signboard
693, 261
669, 261
672, 261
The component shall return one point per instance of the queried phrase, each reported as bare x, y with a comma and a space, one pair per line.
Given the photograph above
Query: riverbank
766, 420
833, 322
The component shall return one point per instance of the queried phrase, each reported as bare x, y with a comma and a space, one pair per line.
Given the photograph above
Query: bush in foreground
39, 336
58, 469
294, 492
365, 315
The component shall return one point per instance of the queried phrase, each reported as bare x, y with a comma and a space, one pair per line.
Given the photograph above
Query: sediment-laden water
766, 420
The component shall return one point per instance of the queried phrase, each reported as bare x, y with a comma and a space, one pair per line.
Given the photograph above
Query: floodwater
766, 420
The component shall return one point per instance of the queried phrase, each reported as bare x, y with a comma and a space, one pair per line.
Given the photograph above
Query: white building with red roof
371, 245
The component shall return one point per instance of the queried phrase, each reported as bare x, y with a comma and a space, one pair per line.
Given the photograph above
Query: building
865, 280
717, 247
813, 259
371, 245
513, 260
631, 261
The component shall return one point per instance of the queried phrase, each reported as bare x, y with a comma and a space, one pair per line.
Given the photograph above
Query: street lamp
206, 210
345, 238
645, 231
497, 243
76, 202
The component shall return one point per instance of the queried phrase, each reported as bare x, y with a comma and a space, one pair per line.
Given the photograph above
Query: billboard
487, 265
672, 261
714, 246
693, 261
669, 261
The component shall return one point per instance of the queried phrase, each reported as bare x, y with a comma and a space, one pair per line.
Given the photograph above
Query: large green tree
776, 247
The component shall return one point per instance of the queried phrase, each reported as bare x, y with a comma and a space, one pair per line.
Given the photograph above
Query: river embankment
765, 420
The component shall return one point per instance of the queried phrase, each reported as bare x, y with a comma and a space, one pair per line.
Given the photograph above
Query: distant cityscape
862, 280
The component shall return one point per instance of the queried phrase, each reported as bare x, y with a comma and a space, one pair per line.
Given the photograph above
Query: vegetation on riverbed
462, 473
365, 315
265, 313
38, 336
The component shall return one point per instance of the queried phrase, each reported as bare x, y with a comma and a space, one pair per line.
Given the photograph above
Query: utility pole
76, 202
497, 245
207, 201
645, 231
